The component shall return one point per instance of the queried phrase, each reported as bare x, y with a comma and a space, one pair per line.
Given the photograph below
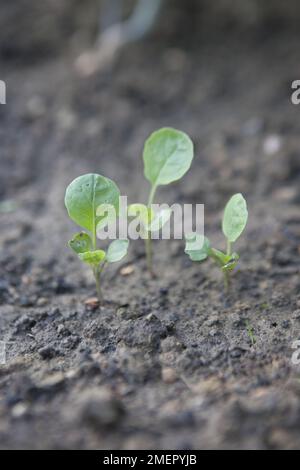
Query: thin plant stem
227, 273
151, 196
97, 270
98, 285
148, 247
148, 240
226, 281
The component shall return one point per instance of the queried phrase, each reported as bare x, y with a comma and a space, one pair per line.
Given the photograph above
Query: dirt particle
47, 352
296, 314
169, 375
126, 313
19, 410
92, 303
127, 270
100, 409
62, 330
41, 302
53, 382
24, 323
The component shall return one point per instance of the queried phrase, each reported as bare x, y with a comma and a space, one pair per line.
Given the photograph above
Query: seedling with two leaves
199, 248
85, 197
168, 155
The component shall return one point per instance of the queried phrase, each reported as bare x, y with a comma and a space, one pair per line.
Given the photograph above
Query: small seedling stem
148, 247
97, 269
227, 273
98, 286
148, 240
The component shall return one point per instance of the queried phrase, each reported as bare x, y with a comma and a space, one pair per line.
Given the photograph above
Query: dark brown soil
166, 363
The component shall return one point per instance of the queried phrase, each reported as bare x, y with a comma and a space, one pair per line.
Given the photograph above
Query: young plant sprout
235, 220
250, 333
84, 198
167, 155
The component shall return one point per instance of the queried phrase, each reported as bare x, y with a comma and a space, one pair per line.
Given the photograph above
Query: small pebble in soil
92, 303
53, 382
54, 312
212, 321
171, 344
214, 332
127, 313
296, 315
41, 302
100, 409
62, 330
70, 342
24, 323
47, 352
169, 375
19, 410
127, 270
236, 353
236, 321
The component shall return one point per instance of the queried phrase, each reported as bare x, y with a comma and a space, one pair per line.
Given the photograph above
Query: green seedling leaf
85, 194
106, 214
250, 333
145, 214
221, 258
234, 222
117, 250
168, 155
197, 247
235, 218
80, 243
160, 219
232, 263
93, 258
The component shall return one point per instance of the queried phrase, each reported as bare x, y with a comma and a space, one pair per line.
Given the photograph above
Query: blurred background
32, 30
87, 82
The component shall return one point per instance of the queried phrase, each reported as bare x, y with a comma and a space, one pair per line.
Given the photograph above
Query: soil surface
172, 362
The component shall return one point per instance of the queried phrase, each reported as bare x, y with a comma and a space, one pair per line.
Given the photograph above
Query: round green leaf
85, 194
117, 250
80, 243
197, 247
107, 215
168, 155
235, 217
145, 214
92, 257
160, 219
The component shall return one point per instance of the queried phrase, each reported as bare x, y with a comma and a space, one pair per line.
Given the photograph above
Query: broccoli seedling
250, 333
199, 248
83, 199
168, 155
